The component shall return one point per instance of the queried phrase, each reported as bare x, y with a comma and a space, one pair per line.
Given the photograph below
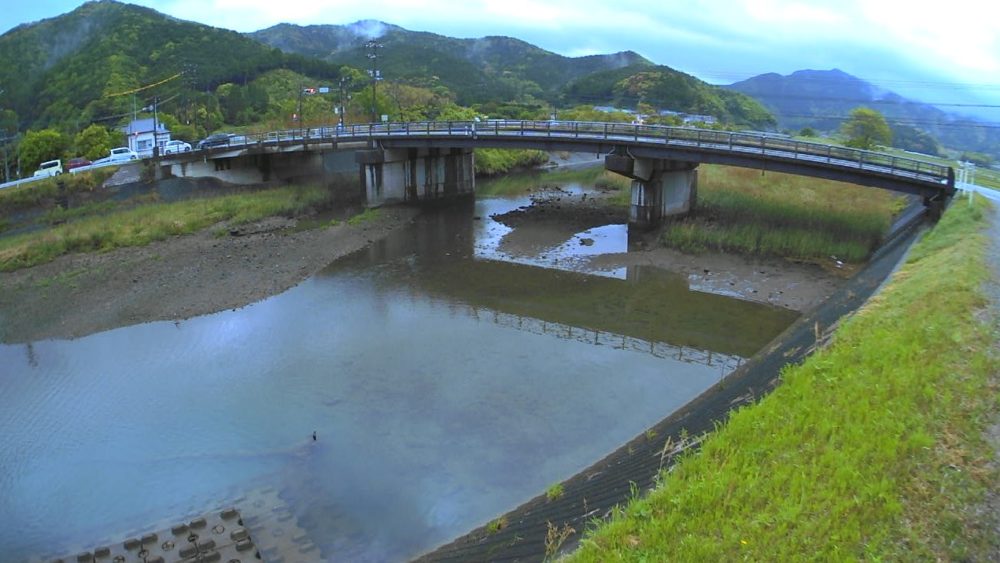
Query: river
450, 373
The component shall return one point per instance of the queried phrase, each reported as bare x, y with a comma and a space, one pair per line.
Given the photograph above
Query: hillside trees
916, 140
39, 146
866, 129
665, 88
94, 142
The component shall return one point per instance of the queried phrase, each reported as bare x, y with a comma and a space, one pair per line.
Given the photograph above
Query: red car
77, 163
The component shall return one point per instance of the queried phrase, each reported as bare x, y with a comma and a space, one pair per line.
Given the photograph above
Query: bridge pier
660, 188
415, 175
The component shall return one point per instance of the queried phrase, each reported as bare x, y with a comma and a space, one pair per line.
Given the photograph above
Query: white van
48, 168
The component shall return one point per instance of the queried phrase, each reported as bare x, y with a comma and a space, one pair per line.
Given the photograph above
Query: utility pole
373, 46
156, 132
344, 96
299, 111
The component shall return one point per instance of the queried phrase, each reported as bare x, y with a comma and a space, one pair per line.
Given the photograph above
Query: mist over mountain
487, 68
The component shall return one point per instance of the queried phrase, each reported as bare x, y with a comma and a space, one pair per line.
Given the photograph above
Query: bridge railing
746, 142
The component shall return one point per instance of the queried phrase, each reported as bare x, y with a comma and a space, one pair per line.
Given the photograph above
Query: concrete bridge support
660, 188
415, 175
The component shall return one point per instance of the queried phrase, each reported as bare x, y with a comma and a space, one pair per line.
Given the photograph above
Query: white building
139, 134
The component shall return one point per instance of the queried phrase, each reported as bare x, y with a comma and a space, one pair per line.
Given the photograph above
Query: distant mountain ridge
822, 99
106, 62
80, 66
497, 68
493, 67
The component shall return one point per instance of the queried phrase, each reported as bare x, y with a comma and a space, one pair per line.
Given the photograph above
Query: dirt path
182, 277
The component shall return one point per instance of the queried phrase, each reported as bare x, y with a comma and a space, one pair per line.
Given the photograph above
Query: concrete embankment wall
336, 170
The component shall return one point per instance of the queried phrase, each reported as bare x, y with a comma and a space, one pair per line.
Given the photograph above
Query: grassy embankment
519, 184
491, 162
145, 223
745, 211
44, 193
872, 449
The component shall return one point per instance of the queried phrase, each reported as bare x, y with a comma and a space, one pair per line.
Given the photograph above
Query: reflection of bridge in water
651, 307
724, 362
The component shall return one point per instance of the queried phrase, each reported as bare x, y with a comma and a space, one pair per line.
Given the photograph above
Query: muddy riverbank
178, 278
793, 285
203, 273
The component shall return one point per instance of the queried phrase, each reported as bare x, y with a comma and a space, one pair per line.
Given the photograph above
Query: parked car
122, 153
77, 162
48, 168
119, 154
214, 140
173, 147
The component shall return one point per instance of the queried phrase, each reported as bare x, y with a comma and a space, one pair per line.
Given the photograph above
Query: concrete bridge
422, 161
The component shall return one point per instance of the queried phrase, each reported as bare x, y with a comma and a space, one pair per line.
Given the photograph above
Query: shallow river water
448, 375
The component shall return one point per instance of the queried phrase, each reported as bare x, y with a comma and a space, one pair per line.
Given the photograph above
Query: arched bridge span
647, 153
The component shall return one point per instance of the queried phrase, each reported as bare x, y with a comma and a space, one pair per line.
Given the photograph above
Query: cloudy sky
937, 52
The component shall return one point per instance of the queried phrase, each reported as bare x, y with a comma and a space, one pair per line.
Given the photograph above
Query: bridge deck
749, 149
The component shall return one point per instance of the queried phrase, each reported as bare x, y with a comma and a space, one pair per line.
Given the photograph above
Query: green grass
522, 183
496, 525
58, 215
987, 178
619, 183
365, 216
872, 449
151, 222
490, 162
40, 192
746, 211
554, 492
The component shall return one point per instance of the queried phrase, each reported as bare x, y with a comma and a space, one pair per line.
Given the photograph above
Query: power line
146, 87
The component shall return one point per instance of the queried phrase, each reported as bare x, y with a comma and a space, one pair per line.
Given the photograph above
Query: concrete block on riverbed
217, 536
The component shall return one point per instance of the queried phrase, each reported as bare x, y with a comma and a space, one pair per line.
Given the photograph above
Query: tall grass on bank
620, 184
746, 211
490, 162
38, 192
872, 449
522, 183
147, 223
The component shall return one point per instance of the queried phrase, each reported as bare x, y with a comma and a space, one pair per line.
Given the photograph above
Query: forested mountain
664, 88
476, 70
107, 62
823, 99
79, 68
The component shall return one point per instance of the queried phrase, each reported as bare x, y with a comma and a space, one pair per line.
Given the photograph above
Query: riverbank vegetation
526, 182
145, 223
44, 193
753, 212
492, 162
872, 449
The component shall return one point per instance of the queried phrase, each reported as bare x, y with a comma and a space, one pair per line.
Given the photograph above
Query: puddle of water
548, 246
